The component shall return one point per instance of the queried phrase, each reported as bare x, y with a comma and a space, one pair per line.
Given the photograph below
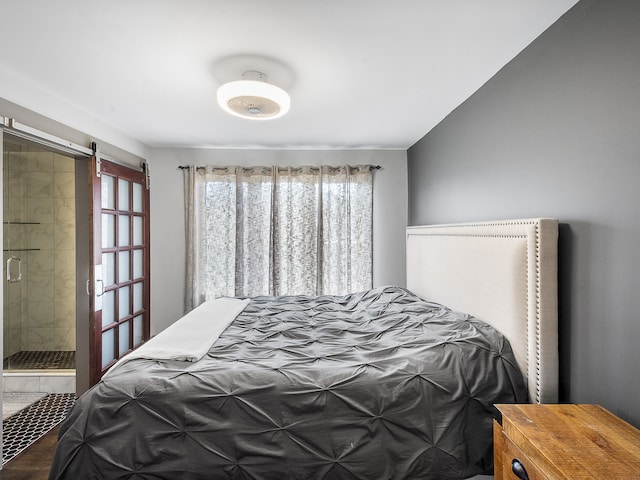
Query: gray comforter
372, 385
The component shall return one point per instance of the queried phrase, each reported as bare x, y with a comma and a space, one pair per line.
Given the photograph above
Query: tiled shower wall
39, 227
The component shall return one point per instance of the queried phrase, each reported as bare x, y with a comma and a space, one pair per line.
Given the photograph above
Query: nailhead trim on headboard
541, 340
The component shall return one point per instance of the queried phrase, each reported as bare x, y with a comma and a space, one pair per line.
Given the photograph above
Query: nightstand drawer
565, 442
506, 453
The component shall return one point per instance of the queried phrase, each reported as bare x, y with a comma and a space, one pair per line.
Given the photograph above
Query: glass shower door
15, 248
39, 267
8, 262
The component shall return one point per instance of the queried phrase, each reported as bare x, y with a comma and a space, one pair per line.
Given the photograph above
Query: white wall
167, 213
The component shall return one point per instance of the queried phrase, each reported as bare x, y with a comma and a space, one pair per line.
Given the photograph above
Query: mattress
373, 385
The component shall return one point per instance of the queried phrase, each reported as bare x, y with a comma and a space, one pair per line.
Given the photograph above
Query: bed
378, 384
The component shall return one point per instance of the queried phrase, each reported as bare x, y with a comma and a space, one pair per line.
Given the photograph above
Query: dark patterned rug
28, 425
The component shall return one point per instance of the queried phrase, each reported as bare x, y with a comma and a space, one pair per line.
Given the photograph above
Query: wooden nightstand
549, 442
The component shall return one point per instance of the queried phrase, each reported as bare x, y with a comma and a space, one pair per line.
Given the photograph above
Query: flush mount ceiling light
253, 97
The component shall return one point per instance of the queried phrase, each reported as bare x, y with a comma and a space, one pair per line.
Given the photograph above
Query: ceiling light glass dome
253, 98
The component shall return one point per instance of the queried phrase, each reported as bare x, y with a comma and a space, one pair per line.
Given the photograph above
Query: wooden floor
35, 462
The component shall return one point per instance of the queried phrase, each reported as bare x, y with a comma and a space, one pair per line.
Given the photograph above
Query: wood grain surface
566, 442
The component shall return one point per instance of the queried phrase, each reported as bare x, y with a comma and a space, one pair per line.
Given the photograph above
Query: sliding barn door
120, 263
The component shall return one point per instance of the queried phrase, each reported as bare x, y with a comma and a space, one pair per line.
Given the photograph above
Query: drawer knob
518, 469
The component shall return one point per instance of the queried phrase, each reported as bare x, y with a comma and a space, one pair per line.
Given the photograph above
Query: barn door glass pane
123, 194
138, 330
138, 231
137, 197
108, 347
138, 265
123, 304
108, 193
109, 268
123, 267
125, 344
108, 309
137, 297
123, 230
108, 230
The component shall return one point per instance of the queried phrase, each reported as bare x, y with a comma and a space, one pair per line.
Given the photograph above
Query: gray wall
557, 133
167, 213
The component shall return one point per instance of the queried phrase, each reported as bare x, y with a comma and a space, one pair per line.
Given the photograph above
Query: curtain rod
184, 167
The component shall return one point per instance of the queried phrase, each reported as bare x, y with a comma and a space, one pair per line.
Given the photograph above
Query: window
278, 231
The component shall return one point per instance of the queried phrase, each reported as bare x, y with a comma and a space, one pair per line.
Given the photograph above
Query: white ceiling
361, 73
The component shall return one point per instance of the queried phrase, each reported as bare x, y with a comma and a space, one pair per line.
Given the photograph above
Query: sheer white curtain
276, 231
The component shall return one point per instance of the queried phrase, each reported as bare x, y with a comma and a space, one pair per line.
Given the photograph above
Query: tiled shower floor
41, 360
28, 425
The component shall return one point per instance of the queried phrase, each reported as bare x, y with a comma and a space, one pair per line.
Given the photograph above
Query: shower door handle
10, 277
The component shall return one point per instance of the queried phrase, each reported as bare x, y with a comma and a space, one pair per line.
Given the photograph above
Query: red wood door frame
112, 338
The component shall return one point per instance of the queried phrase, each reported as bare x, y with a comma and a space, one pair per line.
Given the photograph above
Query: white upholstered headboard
504, 273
